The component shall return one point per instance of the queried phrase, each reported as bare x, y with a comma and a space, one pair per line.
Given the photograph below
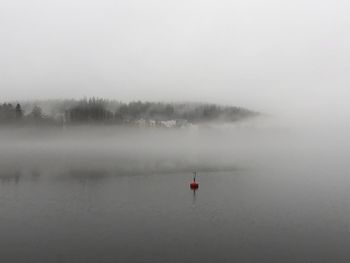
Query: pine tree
19, 112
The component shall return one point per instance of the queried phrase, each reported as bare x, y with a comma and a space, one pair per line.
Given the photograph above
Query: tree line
96, 110
12, 114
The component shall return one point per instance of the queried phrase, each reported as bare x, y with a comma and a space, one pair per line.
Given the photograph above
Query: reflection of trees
15, 175
11, 176
85, 175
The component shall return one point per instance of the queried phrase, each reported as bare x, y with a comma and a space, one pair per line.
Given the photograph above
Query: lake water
285, 198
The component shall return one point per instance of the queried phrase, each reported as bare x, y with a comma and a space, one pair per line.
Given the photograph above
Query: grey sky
272, 54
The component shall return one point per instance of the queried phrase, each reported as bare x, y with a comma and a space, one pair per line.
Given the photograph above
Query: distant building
168, 124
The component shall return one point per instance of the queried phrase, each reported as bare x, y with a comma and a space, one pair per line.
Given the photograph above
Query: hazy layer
132, 150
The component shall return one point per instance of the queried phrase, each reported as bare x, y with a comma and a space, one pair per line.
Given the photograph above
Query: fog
121, 150
118, 150
287, 57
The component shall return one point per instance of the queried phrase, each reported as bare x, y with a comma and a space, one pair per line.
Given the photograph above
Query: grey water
266, 194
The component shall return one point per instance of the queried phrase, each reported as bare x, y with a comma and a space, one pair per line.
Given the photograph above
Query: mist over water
270, 190
208, 147
119, 149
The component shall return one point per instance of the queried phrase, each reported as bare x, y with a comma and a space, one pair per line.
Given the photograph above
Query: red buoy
194, 185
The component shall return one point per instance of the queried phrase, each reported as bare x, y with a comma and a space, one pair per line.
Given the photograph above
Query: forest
102, 111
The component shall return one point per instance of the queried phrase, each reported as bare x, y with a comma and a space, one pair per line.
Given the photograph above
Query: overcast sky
271, 54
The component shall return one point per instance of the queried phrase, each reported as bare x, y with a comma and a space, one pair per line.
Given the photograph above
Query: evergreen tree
19, 111
37, 113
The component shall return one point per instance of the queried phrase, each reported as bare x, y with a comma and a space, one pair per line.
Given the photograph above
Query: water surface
285, 198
